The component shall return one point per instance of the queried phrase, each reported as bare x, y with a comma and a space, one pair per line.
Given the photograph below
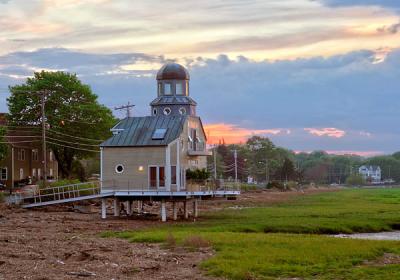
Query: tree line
263, 161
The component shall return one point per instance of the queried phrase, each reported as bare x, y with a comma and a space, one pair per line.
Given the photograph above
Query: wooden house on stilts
147, 157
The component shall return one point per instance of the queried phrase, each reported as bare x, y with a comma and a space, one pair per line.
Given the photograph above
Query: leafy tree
3, 146
389, 165
355, 180
287, 171
71, 108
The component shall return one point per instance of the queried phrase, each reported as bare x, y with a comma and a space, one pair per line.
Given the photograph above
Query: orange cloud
327, 131
233, 134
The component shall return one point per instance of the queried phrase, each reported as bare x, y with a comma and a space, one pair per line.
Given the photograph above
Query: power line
66, 146
17, 142
76, 137
68, 142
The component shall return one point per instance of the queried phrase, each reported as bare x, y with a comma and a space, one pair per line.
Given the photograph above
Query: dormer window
167, 88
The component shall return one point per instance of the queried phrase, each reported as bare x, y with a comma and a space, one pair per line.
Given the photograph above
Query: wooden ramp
62, 194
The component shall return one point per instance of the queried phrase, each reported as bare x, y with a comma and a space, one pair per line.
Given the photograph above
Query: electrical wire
68, 142
74, 148
76, 137
17, 142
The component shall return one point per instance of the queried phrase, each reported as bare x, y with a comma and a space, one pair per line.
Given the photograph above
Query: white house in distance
147, 157
371, 173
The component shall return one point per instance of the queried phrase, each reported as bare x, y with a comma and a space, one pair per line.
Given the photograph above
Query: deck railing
63, 192
191, 186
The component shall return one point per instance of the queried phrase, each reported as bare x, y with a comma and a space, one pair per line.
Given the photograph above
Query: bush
197, 174
170, 241
276, 185
355, 180
292, 185
248, 187
196, 242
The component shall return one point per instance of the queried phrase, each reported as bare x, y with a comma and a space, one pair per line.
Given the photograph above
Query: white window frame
39, 173
116, 168
165, 112
168, 85
157, 176
6, 174
21, 173
33, 172
181, 92
51, 156
21, 155
182, 111
51, 172
35, 154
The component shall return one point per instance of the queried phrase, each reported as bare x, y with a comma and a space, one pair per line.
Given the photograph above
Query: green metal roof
138, 131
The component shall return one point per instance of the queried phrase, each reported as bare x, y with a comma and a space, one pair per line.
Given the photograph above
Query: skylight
159, 134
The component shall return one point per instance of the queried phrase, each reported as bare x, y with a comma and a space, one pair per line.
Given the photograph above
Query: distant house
371, 173
25, 157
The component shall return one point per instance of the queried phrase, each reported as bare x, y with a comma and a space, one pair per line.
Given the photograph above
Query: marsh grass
283, 241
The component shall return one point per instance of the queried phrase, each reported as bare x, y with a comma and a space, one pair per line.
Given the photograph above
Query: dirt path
57, 243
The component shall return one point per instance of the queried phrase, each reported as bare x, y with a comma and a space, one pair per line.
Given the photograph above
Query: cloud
350, 92
381, 3
327, 131
392, 29
233, 134
75, 61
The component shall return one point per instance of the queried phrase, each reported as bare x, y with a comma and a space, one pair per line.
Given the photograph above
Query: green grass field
284, 241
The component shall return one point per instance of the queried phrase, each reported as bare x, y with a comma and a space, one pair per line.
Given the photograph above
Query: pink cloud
326, 131
233, 134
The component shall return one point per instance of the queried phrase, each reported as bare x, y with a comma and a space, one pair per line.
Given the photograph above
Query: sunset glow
233, 134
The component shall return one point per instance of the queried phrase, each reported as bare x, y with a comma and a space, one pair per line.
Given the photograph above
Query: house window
34, 173
21, 154
51, 172
167, 89
51, 156
167, 111
156, 176
39, 173
179, 89
182, 111
155, 112
3, 173
21, 173
35, 155
173, 175
159, 89
119, 168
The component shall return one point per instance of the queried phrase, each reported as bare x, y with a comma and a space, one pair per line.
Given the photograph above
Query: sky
309, 74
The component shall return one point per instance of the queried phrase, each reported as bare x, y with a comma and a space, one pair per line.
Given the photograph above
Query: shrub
355, 180
276, 185
196, 242
292, 185
197, 174
170, 241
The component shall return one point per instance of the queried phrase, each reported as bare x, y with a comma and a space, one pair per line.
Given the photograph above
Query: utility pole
215, 162
127, 108
42, 98
236, 167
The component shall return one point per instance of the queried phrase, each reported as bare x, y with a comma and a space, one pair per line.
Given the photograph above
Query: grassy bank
250, 243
